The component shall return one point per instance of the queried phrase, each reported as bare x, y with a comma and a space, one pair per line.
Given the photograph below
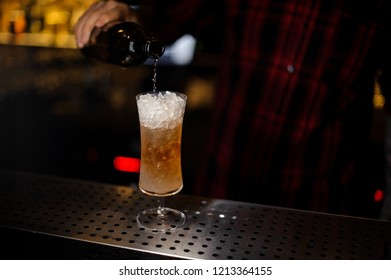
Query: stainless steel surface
215, 229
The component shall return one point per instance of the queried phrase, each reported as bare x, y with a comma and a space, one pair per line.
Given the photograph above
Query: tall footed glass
161, 118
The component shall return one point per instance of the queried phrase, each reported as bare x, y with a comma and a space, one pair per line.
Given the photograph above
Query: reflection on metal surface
215, 229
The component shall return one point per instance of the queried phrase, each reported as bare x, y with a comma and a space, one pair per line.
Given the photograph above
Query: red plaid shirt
293, 108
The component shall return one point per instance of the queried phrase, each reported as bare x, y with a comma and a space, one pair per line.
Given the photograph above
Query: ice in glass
161, 117
161, 172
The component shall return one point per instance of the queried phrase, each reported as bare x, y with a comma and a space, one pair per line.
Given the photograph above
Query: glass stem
160, 206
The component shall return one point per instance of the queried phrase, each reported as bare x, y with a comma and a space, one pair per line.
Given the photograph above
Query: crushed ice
160, 110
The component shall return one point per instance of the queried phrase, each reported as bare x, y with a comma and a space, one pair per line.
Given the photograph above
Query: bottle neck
154, 48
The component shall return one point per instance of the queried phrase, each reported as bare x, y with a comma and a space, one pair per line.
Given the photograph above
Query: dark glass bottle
125, 44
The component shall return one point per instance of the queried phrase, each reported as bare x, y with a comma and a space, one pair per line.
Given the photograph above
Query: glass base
156, 219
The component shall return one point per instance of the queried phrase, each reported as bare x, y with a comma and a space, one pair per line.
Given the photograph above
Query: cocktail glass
161, 118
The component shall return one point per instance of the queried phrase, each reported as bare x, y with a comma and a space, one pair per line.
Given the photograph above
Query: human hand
99, 14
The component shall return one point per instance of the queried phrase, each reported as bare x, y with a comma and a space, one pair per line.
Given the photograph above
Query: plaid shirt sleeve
293, 107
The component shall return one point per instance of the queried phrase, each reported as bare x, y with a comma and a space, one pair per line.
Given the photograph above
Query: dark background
63, 115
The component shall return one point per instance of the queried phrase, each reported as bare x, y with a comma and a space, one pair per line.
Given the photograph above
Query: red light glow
378, 195
127, 164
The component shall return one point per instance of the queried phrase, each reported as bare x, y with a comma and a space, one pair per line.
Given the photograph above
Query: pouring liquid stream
154, 75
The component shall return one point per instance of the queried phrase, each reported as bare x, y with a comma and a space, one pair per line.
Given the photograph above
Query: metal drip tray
215, 229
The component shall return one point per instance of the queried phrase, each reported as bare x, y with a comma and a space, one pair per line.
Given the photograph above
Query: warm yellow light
378, 98
56, 17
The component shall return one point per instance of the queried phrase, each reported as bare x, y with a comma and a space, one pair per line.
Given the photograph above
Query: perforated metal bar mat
215, 229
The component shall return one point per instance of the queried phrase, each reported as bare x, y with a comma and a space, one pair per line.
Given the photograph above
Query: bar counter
79, 219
